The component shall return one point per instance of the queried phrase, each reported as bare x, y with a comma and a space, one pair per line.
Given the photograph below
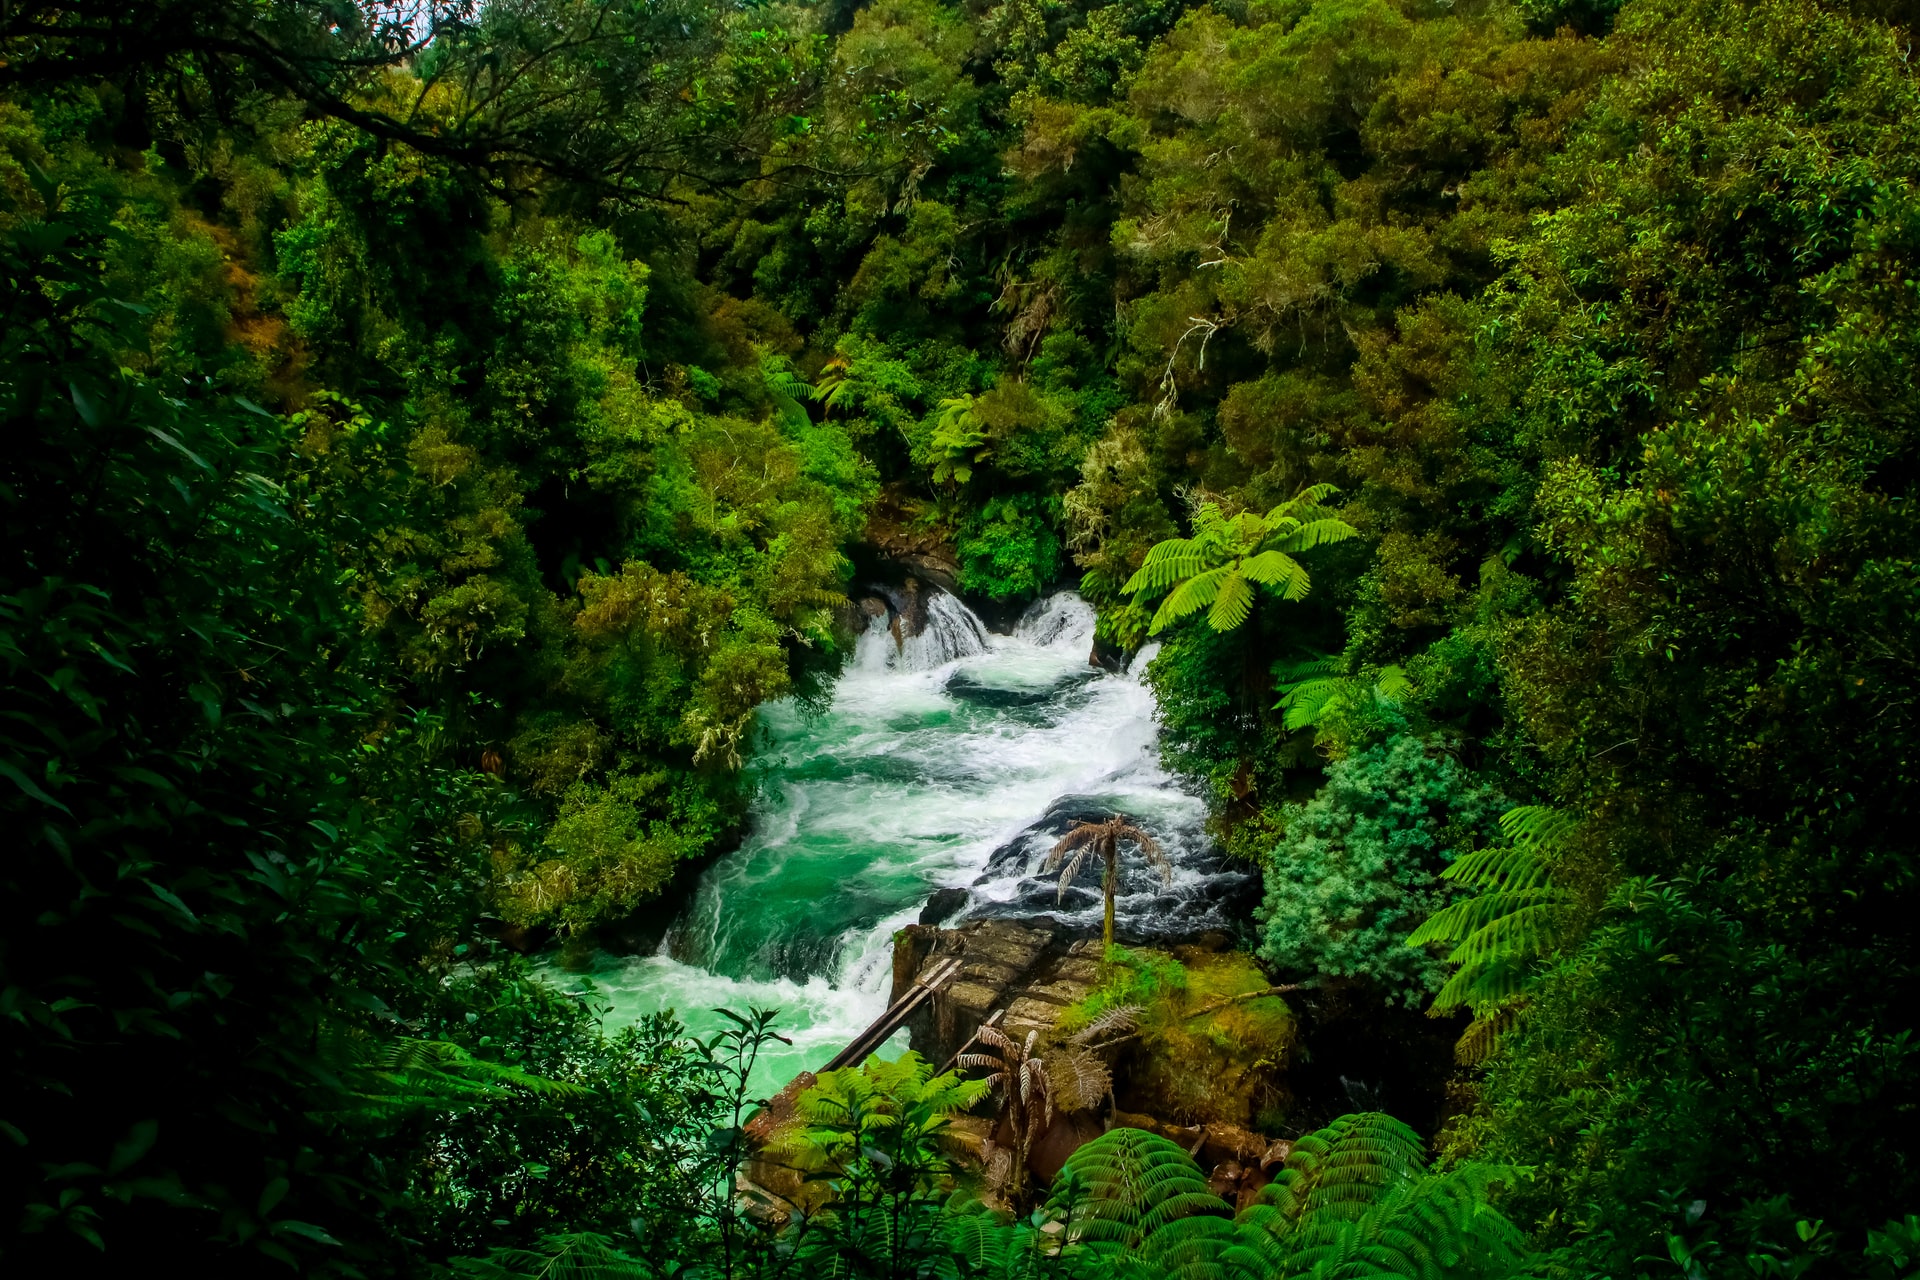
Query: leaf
1232, 604
272, 1194
26, 784
139, 1140
306, 1230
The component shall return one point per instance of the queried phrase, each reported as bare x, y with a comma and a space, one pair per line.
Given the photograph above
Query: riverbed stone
1028, 1014
943, 905
1060, 993
1075, 969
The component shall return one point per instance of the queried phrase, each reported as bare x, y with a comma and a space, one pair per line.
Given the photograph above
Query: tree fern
1354, 1200
959, 441
581, 1255
898, 1107
404, 1073
1519, 915
1137, 1183
1217, 568
1316, 691
1347, 1166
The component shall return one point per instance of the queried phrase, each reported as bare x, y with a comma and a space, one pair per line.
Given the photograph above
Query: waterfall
951, 632
1062, 622
873, 650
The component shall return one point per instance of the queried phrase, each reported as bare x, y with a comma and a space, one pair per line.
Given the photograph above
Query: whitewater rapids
954, 759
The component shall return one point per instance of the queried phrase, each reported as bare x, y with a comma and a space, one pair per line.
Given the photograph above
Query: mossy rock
1210, 1049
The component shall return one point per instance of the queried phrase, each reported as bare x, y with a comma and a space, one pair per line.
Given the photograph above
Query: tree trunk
1112, 852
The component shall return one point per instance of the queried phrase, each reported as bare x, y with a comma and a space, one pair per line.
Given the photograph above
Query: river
956, 760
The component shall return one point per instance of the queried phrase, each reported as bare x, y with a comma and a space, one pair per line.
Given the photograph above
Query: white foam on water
1062, 622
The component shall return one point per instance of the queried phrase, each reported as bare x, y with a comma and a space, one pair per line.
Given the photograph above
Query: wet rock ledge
1028, 971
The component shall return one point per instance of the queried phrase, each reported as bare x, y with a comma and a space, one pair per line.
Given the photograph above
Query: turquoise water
954, 763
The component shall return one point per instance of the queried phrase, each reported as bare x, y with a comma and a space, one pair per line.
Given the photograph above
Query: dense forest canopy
437, 428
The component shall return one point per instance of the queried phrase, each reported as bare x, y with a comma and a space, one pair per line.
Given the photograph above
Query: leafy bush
1358, 868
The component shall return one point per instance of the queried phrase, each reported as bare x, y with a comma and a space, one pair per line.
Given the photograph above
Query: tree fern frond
1483, 984
1311, 496
1172, 1206
1478, 1041
1538, 827
1071, 870
1520, 914
1317, 533
1231, 604
1354, 1201
1167, 563
1526, 931
1268, 567
1298, 584
1150, 850
1309, 669
1133, 1177
1080, 1079
1495, 867
1462, 919
998, 1039
1084, 833
978, 1242
1392, 683
1120, 1018
1191, 596
1306, 701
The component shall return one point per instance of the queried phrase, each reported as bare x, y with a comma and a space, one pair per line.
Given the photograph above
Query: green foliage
1360, 866
1519, 916
1219, 566
1209, 1040
1342, 710
1352, 1199
1136, 1183
432, 443
883, 1121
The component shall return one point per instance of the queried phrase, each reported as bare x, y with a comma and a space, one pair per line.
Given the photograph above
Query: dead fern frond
1116, 1021
1080, 1080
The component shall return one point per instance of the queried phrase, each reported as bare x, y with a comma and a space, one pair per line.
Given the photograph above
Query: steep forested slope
437, 428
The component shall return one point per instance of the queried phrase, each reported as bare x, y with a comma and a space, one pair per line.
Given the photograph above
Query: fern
1315, 692
1080, 1080
1354, 1200
1217, 568
899, 1105
1346, 1167
1116, 1021
1519, 915
1137, 1183
573, 1256
409, 1074
1088, 839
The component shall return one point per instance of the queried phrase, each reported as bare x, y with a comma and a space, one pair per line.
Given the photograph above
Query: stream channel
951, 760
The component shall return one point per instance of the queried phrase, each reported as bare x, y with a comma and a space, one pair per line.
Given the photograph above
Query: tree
617, 100
1104, 839
1218, 566
1019, 1076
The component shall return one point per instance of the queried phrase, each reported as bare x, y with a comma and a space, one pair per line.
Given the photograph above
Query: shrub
1358, 868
